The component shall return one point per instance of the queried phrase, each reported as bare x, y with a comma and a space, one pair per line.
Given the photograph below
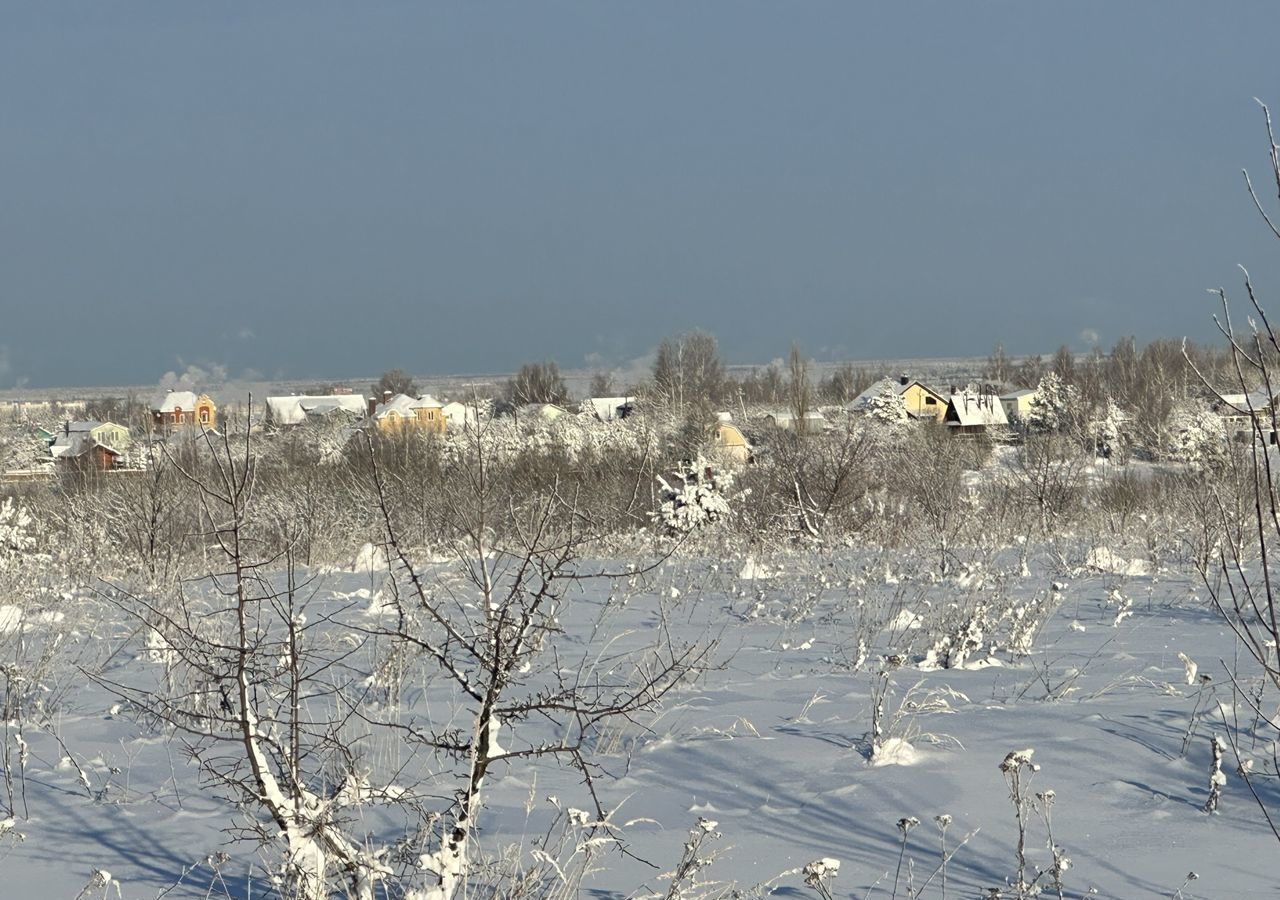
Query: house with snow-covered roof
972, 412
729, 444
295, 409
812, 422
90, 446
73, 436
921, 401
177, 408
609, 409
1240, 413
400, 412
460, 415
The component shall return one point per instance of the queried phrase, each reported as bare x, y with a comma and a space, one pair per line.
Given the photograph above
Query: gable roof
77, 444
400, 405
1242, 403
606, 409
184, 400
167, 403
967, 409
860, 402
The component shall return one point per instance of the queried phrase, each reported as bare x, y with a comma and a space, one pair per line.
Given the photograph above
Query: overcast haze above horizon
297, 190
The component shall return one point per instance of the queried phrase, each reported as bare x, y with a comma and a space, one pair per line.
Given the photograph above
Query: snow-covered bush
1196, 437
16, 529
694, 497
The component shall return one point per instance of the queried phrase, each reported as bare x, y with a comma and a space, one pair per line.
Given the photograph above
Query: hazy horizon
286, 191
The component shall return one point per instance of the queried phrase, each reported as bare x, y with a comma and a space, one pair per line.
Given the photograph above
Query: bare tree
999, 368
687, 369
394, 381
287, 700
1240, 571
601, 384
538, 382
799, 390
845, 383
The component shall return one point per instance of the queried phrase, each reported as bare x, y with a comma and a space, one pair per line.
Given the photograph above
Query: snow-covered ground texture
856, 717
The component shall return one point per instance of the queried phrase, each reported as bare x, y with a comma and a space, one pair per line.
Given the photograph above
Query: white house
295, 409
813, 422
460, 415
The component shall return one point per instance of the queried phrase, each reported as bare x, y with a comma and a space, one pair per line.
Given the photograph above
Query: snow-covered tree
887, 407
1055, 405
1196, 437
1104, 429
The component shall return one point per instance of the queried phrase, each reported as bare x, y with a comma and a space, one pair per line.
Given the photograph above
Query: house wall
921, 403
390, 423
1018, 407
205, 414
431, 418
112, 435
730, 443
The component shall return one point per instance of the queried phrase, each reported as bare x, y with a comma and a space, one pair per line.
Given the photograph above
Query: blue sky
310, 189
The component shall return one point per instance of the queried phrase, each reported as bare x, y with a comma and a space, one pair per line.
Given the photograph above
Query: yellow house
1018, 404
729, 443
921, 401
428, 414
401, 411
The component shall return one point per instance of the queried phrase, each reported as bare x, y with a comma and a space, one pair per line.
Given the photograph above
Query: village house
460, 415
609, 409
921, 401
282, 412
178, 408
813, 422
1017, 404
399, 412
1239, 412
729, 444
971, 412
97, 446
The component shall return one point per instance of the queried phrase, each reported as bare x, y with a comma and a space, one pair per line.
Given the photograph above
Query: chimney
386, 396
903, 380
372, 406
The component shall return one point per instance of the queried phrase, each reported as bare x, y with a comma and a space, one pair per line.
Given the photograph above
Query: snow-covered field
771, 749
